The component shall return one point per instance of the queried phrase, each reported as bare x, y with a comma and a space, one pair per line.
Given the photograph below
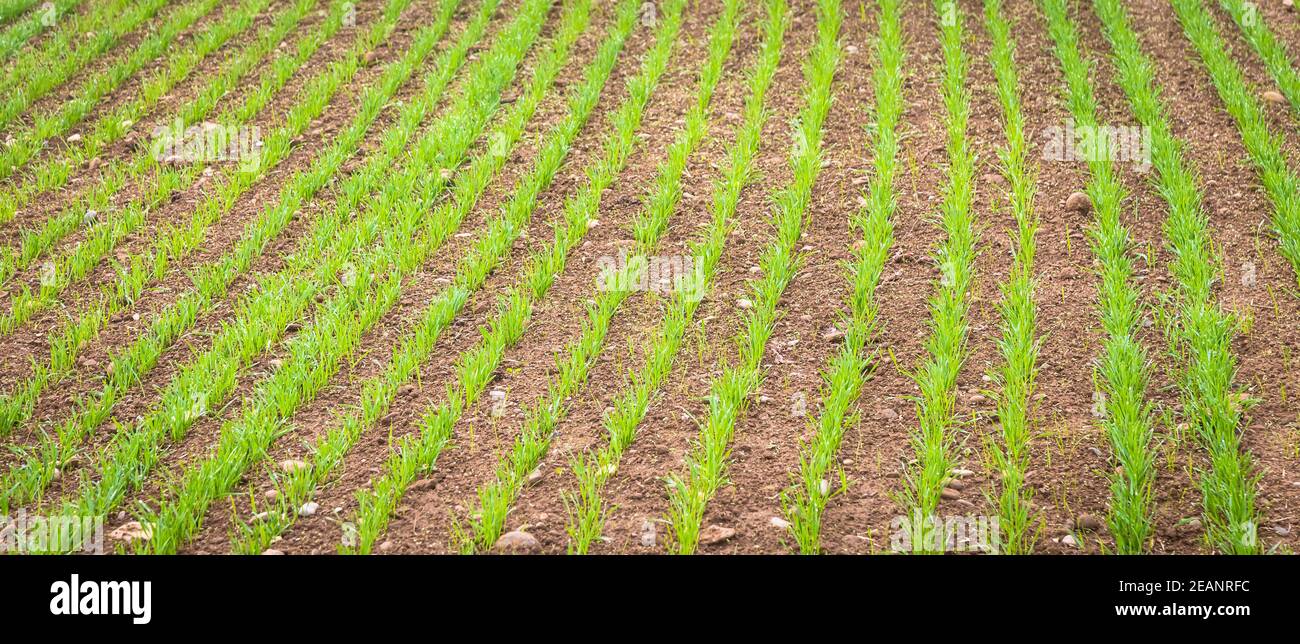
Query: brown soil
1069, 456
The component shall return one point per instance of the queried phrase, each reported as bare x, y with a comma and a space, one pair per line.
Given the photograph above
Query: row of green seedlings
1020, 343
1123, 369
57, 120
706, 464
648, 227
74, 334
1256, 31
476, 366
137, 272
1264, 146
368, 292
64, 44
55, 169
1200, 333
16, 35
804, 504
297, 486
946, 349
10, 9
586, 505
105, 232
232, 347
53, 72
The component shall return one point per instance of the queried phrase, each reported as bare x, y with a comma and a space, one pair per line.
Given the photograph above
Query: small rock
74, 138
1096, 451
271, 494
1088, 522
956, 484
405, 390
799, 404
132, 531
368, 58
962, 473
516, 542
386, 546
272, 551
309, 508
1078, 202
1281, 531
833, 335
779, 523
290, 465
745, 303
1275, 97
716, 534
535, 476
1069, 540
949, 494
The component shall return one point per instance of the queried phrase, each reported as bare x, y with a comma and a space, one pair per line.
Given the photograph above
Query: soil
1069, 452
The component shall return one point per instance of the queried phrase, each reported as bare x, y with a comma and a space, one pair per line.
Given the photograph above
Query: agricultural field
630, 277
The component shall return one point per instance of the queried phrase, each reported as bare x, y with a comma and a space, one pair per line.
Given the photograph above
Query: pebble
131, 531
535, 476
744, 303
368, 58
291, 465
1069, 540
949, 494
386, 546
272, 551
74, 138
1281, 531
962, 473
405, 390
799, 404
1096, 451
833, 335
272, 494
516, 542
1078, 202
956, 484
716, 534
1275, 97
309, 508
779, 523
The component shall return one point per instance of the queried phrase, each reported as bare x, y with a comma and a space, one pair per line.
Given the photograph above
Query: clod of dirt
1087, 522
516, 542
962, 473
956, 484
405, 390
369, 58
885, 413
950, 494
833, 335
132, 531
1275, 97
715, 534
1078, 202
272, 494
648, 534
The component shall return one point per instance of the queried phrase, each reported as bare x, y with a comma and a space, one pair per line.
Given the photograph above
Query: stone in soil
516, 542
716, 534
